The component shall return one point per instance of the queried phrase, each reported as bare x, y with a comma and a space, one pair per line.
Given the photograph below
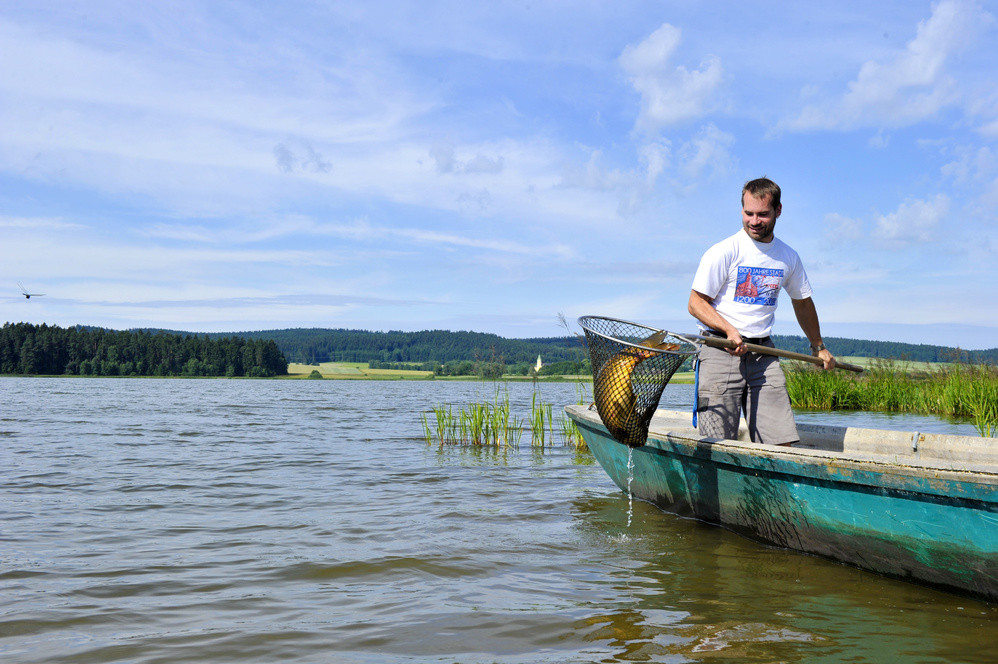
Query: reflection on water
308, 521
687, 588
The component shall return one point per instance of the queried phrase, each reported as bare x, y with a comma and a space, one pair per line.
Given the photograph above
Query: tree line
317, 345
52, 350
26, 348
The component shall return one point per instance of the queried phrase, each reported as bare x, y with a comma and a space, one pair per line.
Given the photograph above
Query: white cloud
445, 156
972, 166
910, 86
990, 129
669, 94
36, 223
244, 153
913, 222
840, 228
299, 155
655, 157
880, 140
592, 175
483, 164
708, 150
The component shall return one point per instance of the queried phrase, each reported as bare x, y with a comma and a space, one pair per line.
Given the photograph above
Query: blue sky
236, 165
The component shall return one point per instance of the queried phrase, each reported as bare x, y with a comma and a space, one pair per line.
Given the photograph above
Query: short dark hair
762, 187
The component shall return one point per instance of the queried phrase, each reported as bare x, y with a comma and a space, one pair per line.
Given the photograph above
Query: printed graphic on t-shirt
758, 285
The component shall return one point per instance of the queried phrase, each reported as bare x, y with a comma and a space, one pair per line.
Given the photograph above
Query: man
734, 296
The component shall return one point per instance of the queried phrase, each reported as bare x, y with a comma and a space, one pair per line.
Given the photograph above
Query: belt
758, 341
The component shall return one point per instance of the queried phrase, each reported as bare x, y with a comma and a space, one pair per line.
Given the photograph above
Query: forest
51, 350
80, 350
315, 345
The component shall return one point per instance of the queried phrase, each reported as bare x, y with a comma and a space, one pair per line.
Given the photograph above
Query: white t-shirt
744, 277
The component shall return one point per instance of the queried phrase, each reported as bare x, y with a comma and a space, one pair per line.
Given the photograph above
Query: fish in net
631, 366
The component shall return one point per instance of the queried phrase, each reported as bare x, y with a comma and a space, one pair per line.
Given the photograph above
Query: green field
353, 371
360, 371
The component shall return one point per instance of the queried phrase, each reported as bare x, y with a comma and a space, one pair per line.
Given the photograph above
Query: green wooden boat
913, 506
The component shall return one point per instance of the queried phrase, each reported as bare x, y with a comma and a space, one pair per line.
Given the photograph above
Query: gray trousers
752, 384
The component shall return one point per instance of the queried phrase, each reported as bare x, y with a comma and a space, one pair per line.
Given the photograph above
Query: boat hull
933, 525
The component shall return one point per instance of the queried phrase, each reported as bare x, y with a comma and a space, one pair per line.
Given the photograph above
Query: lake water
147, 520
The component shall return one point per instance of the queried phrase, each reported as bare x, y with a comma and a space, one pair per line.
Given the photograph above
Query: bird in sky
25, 292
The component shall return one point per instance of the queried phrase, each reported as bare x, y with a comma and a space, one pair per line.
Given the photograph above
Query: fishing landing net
631, 365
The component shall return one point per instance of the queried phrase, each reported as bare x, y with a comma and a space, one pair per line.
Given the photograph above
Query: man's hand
826, 357
701, 308
740, 347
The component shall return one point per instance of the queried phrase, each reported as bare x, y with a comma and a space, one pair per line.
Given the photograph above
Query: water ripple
307, 521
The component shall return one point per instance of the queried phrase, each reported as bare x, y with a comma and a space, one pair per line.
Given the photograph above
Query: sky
239, 165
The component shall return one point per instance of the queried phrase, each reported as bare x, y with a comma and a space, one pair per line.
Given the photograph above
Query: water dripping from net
630, 478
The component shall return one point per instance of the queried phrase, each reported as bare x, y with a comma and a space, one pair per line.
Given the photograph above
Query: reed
966, 391
492, 423
427, 430
540, 421
505, 429
570, 433
481, 423
446, 425
474, 420
569, 429
508, 427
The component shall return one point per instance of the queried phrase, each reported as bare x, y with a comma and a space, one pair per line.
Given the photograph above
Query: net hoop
591, 325
631, 366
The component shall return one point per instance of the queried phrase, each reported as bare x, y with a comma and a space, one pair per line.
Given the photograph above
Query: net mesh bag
631, 365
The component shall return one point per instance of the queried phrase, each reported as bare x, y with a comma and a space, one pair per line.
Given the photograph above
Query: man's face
759, 217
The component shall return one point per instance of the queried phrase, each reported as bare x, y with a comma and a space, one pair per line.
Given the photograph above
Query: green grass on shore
359, 371
955, 390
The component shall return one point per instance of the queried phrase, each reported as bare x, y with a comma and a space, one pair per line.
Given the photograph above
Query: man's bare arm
701, 308
807, 317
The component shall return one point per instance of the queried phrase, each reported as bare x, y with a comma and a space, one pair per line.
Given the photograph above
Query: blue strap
696, 389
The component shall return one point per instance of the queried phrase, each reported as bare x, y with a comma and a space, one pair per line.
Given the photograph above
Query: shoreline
366, 374
359, 371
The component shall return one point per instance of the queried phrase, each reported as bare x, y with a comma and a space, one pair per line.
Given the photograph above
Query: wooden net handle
715, 342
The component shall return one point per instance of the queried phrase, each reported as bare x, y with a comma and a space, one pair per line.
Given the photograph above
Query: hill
31, 349
314, 345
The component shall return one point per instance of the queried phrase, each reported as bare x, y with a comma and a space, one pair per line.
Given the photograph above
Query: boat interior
911, 447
